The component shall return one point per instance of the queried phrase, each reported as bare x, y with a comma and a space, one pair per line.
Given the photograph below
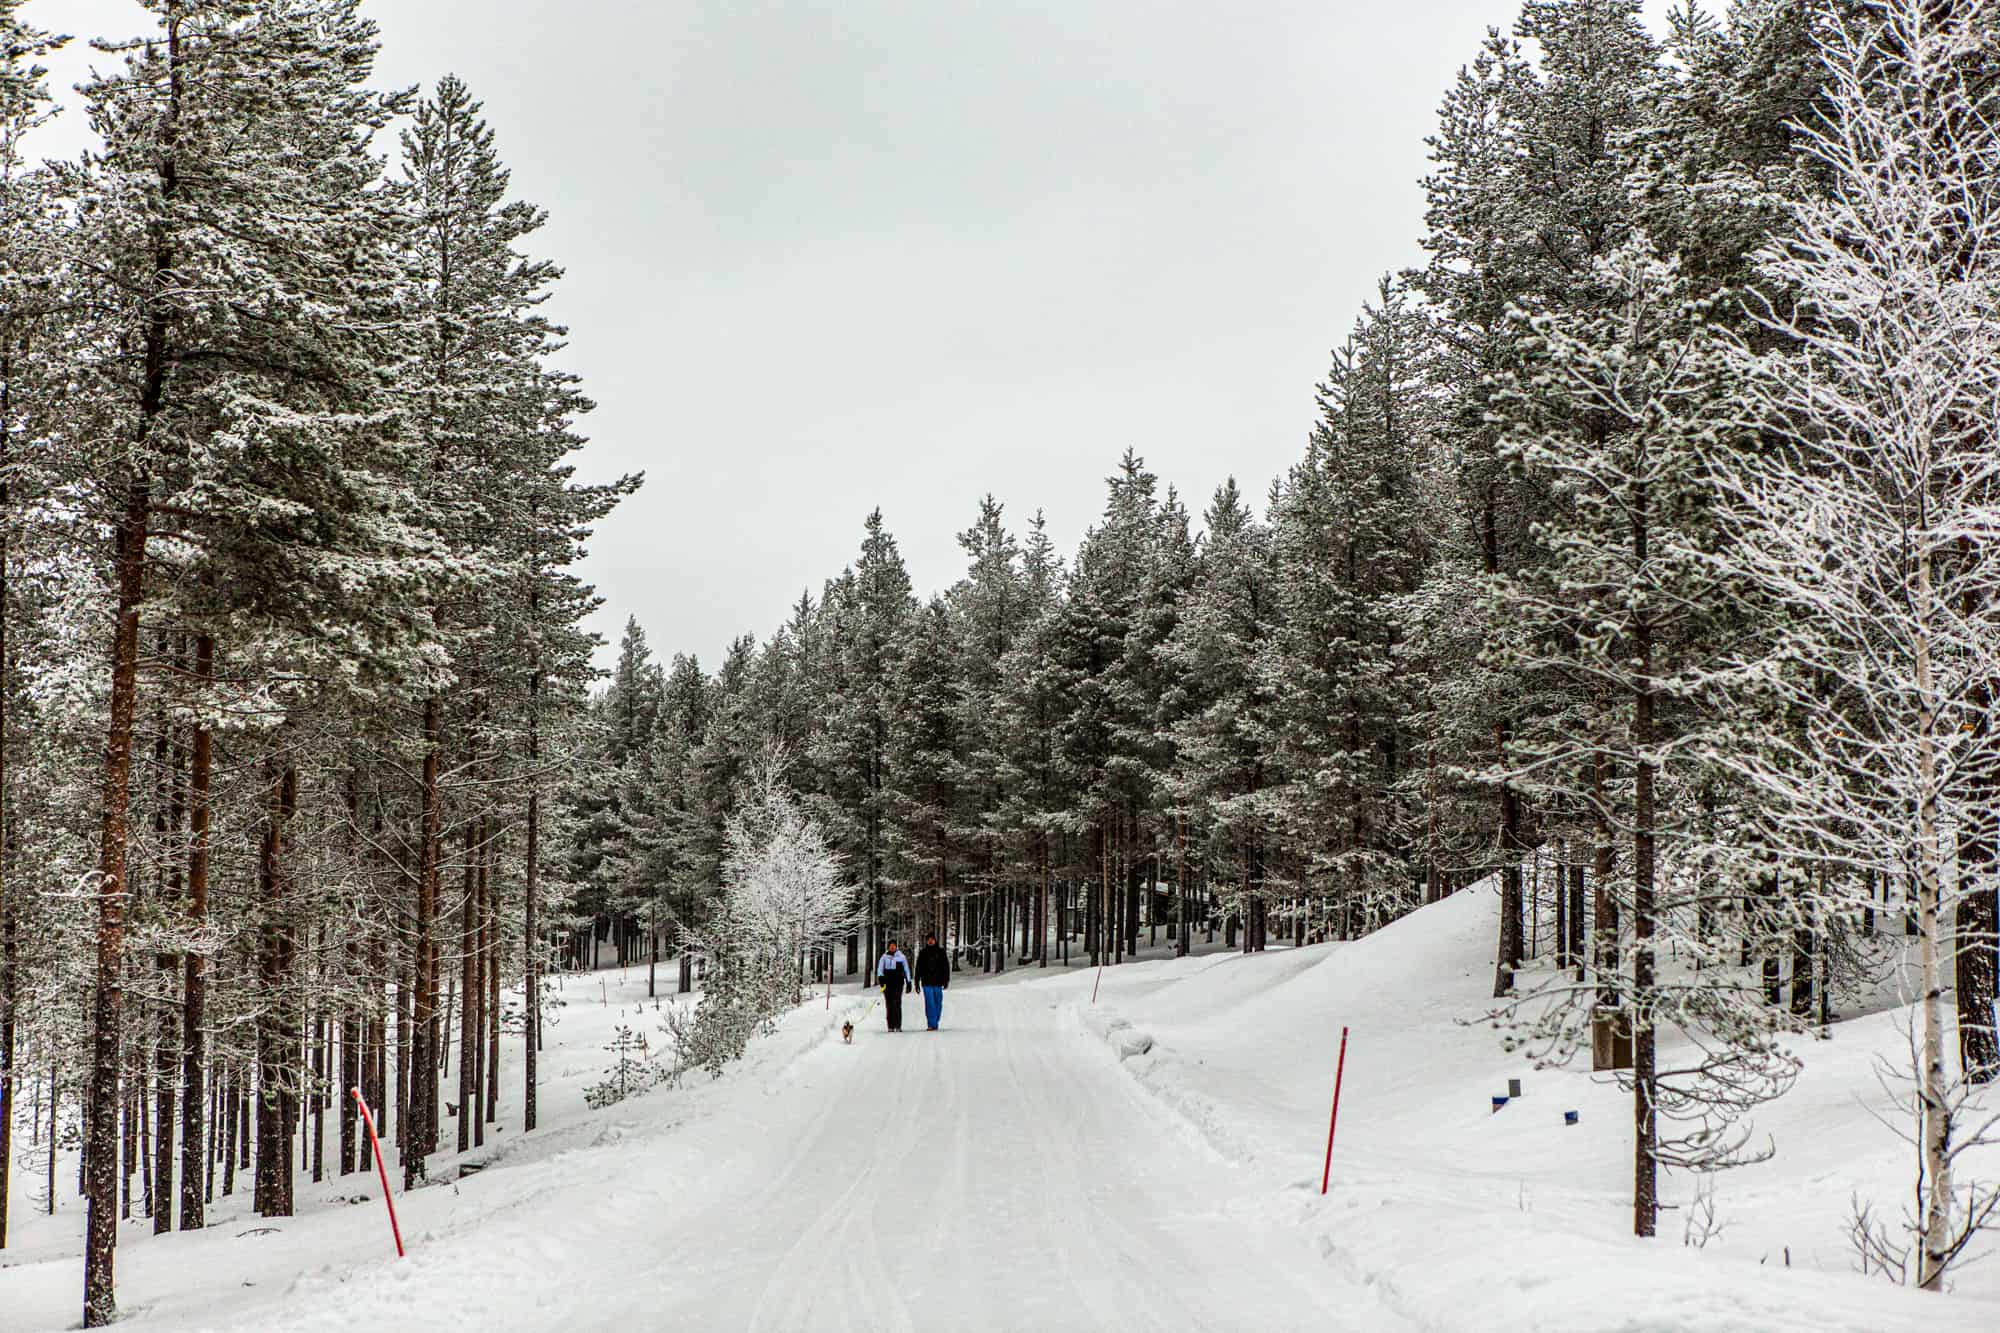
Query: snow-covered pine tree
1222, 765
924, 854
1480, 263
1029, 698
542, 652
1532, 186
29, 239
1123, 592
989, 612
1345, 546
490, 420
256, 335
1615, 402
869, 611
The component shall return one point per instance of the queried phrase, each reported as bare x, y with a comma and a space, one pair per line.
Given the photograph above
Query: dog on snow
847, 1032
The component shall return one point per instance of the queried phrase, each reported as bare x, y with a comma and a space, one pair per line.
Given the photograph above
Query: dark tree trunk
9, 946
107, 1014
129, 1137
1561, 874
1578, 957
468, 988
406, 986
1767, 931
1975, 964
167, 822
531, 941
1512, 933
322, 1070
421, 1124
1978, 933
350, 1079
278, 1024
232, 1096
1508, 956
490, 1004
1603, 903
1803, 933
100, 1301
55, 1088
9, 992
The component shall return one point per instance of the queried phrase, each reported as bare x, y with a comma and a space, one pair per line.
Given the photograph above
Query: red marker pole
1339, 1069
381, 1169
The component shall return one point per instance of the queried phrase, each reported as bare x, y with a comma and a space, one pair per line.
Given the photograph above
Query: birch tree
1863, 506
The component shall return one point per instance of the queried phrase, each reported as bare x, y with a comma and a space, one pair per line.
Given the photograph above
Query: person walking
933, 974
892, 974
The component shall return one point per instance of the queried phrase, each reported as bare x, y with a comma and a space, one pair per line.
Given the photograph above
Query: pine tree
29, 237
1222, 761
870, 609
1618, 407
189, 260
1346, 546
924, 830
1031, 695
988, 614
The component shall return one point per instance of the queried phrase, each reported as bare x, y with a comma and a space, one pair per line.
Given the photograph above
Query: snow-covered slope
1464, 1217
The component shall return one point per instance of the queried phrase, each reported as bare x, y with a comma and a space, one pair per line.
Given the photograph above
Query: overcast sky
825, 255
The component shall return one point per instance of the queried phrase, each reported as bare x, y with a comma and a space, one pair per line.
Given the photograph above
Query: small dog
847, 1032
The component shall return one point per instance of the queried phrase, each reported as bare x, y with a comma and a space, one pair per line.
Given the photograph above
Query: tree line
291, 634
1641, 556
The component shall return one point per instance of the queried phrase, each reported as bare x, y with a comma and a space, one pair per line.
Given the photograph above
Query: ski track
997, 1174
1002, 1173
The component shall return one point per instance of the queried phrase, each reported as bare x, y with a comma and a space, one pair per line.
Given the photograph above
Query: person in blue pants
933, 974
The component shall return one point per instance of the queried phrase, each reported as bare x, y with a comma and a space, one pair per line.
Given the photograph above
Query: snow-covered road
1003, 1173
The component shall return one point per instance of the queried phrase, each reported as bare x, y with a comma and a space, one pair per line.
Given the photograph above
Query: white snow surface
1150, 1161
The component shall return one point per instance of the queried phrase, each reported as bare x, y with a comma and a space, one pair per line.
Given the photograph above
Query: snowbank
530, 1198
1464, 1217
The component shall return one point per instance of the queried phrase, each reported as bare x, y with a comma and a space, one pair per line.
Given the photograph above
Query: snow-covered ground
1149, 1162
1464, 1218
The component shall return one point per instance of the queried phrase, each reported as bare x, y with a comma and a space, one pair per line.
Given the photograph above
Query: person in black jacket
933, 974
892, 974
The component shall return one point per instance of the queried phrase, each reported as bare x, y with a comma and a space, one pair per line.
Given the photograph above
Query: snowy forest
292, 628
1640, 559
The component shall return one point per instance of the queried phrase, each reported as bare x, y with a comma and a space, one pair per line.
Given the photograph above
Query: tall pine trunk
420, 1125
468, 989
490, 1009
100, 1305
133, 498
278, 1026
10, 977
167, 822
9, 993
194, 979
531, 926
